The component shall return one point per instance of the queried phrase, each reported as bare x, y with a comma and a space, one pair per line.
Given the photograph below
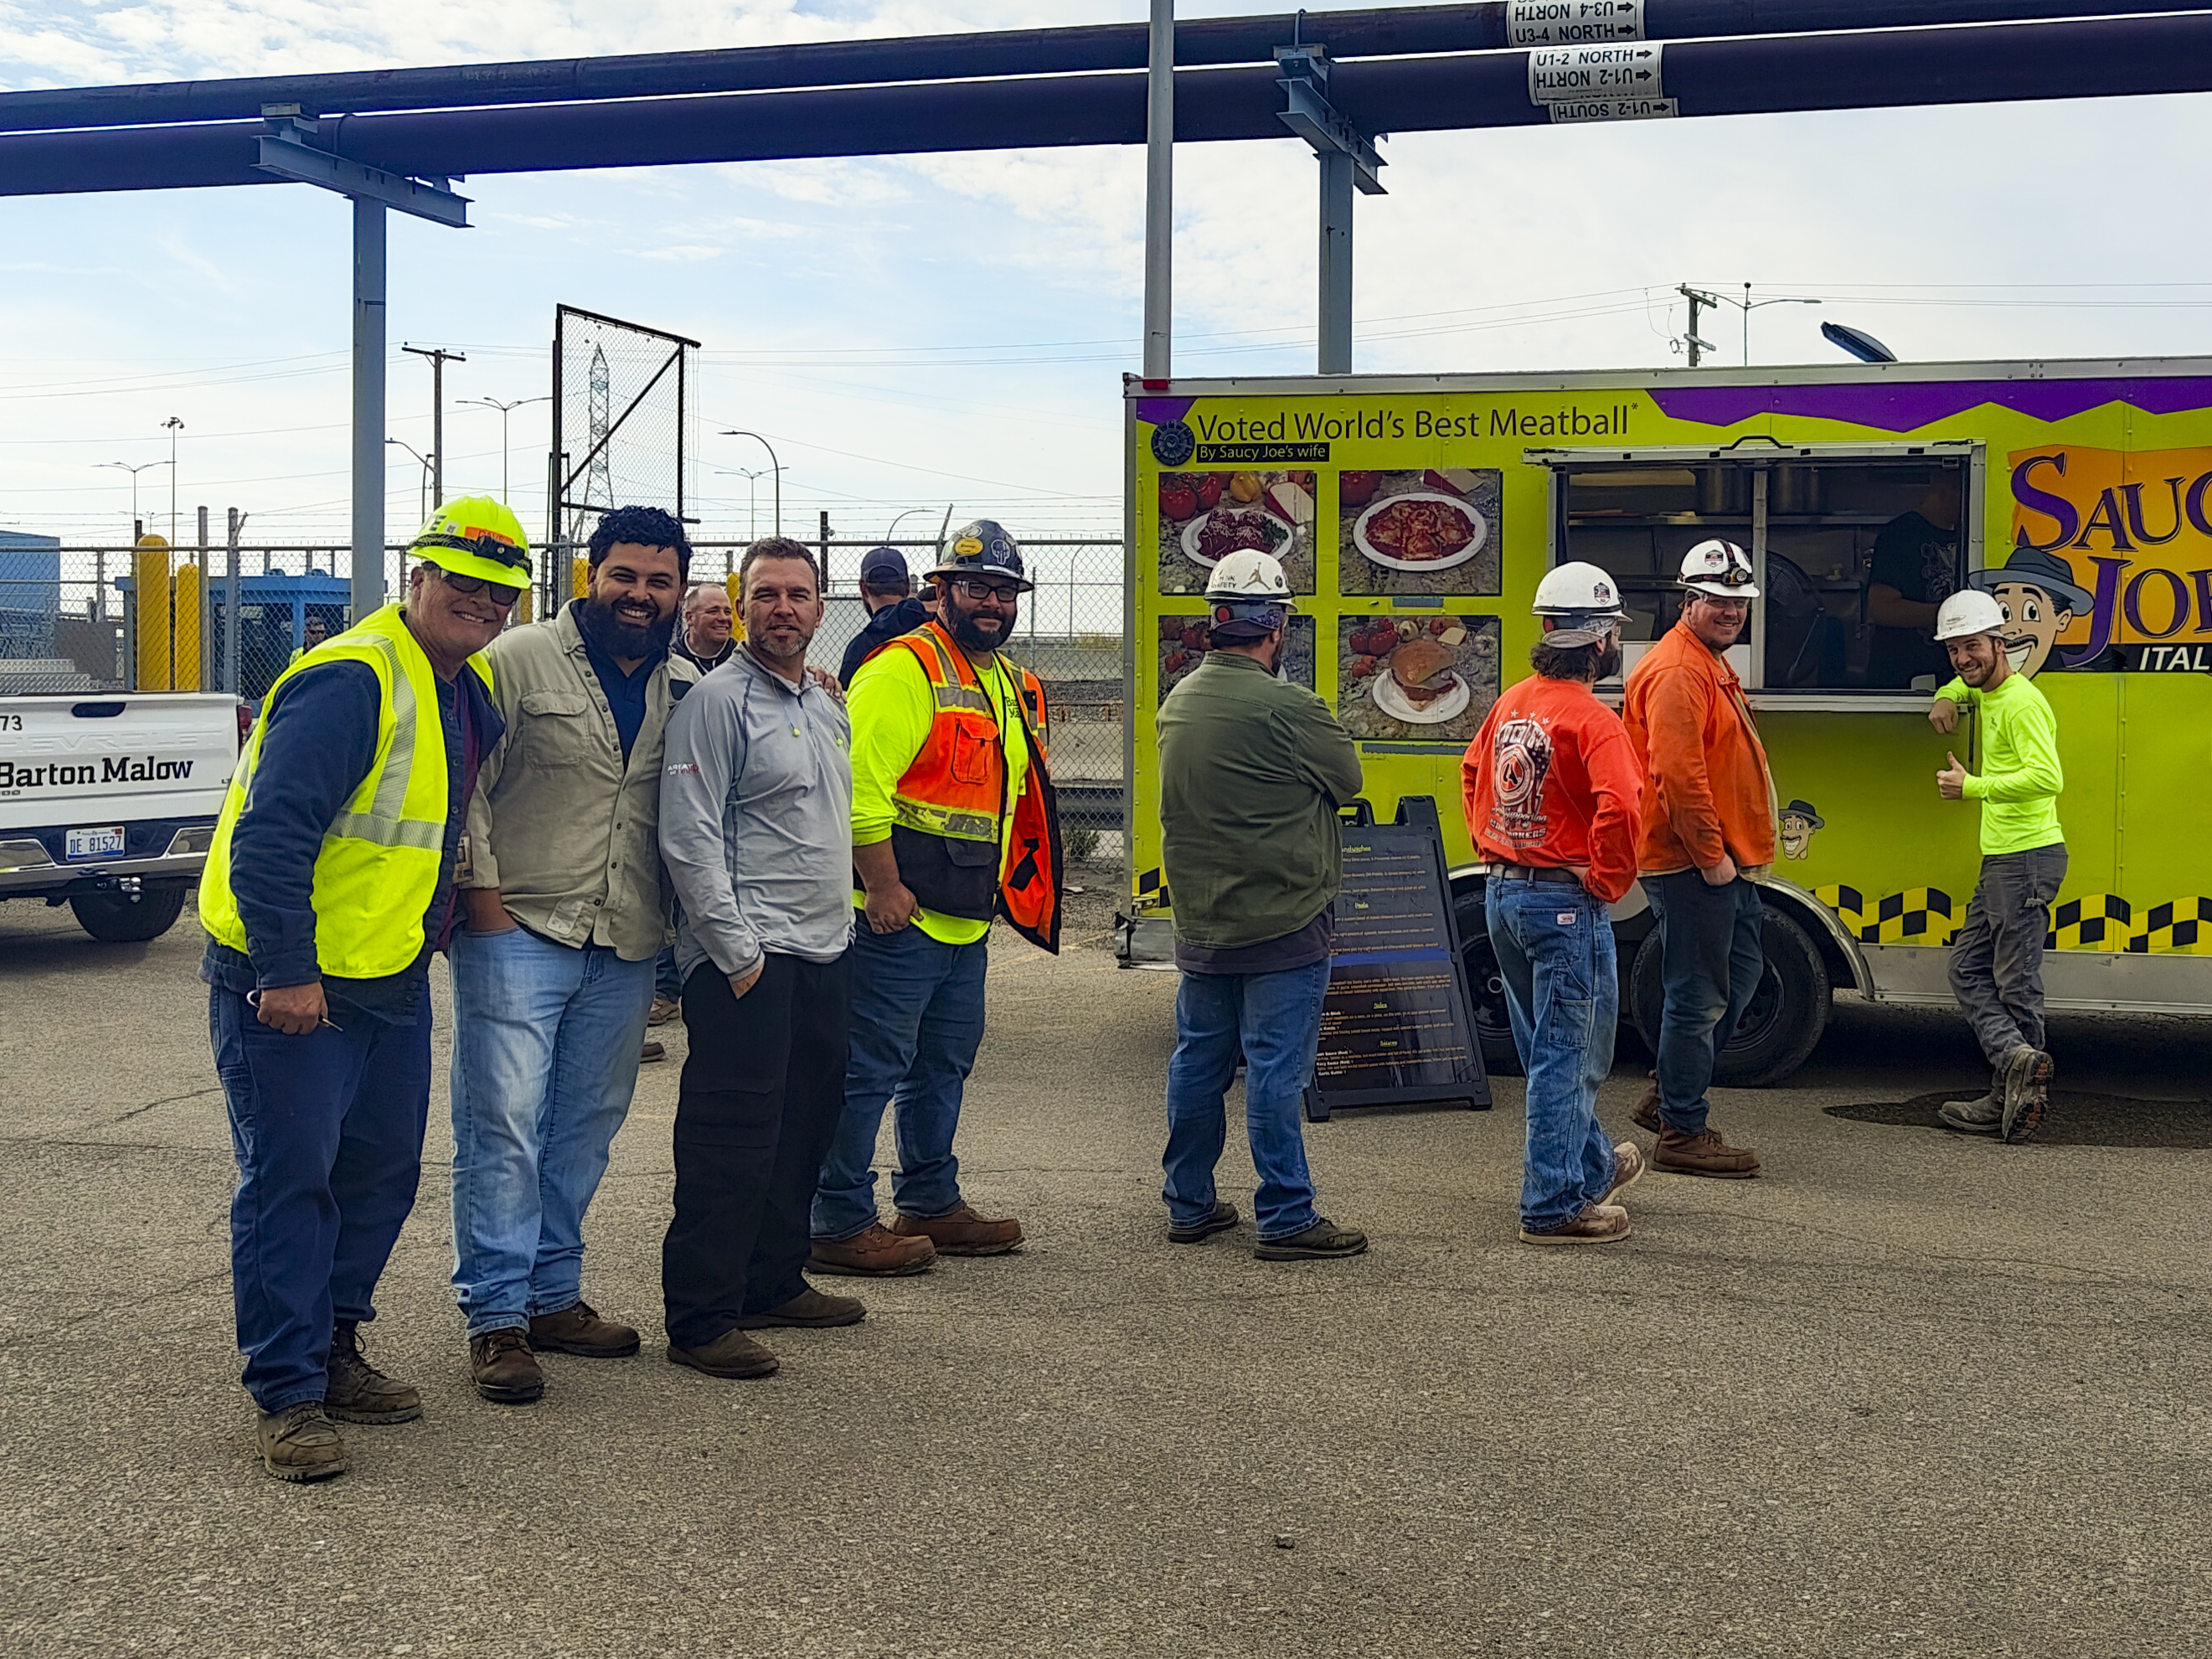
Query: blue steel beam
2106, 58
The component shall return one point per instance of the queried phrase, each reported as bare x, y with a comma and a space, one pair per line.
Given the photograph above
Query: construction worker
1708, 838
568, 910
705, 638
1996, 961
887, 591
330, 884
1553, 796
1253, 770
954, 821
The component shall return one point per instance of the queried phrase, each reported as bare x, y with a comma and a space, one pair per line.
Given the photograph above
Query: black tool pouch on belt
951, 876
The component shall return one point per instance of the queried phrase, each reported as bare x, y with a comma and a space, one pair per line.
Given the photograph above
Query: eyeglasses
475, 584
970, 587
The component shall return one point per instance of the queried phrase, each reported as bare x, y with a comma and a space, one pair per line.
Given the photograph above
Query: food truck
1416, 514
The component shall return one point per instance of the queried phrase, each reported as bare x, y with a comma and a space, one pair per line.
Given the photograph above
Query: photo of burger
1427, 679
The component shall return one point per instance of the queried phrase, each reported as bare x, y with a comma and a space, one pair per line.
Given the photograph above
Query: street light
1856, 341
134, 471
422, 489
901, 519
174, 426
504, 410
752, 476
733, 433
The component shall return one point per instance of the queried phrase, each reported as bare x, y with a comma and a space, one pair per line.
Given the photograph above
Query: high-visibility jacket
378, 868
950, 808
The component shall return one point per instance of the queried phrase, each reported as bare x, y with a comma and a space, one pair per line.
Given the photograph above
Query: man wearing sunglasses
330, 884
567, 910
954, 822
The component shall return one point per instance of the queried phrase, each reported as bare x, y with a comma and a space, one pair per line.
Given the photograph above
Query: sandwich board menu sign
1395, 1027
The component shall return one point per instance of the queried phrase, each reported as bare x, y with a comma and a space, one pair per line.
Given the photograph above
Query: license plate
103, 843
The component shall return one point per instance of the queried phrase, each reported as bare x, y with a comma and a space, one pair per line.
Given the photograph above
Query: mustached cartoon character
1799, 821
2040, 600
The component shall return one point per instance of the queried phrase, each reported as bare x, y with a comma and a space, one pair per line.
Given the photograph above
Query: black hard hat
981, 549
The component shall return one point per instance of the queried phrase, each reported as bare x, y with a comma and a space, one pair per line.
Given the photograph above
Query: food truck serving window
1854, 549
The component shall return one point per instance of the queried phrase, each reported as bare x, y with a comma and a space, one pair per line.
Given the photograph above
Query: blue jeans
917, 1022
667, 982
1712, 958
545, 1049
327, 1129
1276, 1017
1554, 948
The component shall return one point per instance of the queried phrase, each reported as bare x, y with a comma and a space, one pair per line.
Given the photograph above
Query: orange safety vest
949, 809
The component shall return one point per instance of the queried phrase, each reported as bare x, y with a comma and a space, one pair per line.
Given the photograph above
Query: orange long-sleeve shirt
1706, 786
1551, 780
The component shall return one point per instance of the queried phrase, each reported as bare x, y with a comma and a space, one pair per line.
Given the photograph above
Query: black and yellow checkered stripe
2104, 921
1918, 916
2183, 927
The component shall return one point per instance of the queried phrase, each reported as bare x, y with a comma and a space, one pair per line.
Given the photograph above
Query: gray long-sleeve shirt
755, 819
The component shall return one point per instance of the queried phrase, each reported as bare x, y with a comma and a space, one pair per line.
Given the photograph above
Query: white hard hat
1720, 568
1584, 599
1968, 613
1249, 574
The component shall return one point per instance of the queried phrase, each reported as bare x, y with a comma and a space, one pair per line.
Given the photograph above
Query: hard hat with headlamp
476, 536
1719, 569
1580, 604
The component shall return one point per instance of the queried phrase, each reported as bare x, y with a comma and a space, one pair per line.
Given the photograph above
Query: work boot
962, 1231
504, 1369
733, 1354
357, 1392
579, 1330
811, 1309
652, 1051
1627, 1170
1219, 1220
2027, 1093
664, 1010
1646, 1116
1705, 1154
300, 1442
1322, 1242
1599, 1223
1984, 1117
877, 1253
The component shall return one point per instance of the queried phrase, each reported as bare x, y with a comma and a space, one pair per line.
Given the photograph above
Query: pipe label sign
1562, 74
1573, 23
1582, 110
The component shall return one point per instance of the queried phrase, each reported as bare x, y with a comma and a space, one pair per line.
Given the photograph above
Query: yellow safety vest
378, 868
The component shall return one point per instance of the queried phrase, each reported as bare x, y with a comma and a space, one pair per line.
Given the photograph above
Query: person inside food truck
1916, 568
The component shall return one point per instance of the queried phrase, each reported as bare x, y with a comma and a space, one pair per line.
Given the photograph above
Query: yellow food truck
1416, 514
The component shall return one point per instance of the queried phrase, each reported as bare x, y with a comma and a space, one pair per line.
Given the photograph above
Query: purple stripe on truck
1907, 406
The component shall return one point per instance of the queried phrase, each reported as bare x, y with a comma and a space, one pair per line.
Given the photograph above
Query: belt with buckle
1535, 872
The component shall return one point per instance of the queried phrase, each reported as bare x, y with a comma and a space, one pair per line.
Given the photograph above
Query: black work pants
759, 1100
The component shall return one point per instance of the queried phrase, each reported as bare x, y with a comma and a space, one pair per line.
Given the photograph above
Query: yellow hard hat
476, 536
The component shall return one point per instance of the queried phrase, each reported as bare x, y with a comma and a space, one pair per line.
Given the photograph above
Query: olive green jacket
1251, 772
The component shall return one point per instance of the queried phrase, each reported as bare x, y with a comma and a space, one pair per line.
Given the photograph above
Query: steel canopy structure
397, 138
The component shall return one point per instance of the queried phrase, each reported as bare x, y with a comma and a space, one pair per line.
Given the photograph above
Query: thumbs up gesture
1951, 783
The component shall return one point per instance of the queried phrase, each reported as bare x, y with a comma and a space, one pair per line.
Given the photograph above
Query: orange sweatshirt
1550, 779
1706, 788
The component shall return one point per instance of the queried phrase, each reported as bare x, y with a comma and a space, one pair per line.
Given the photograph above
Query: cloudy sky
952, 329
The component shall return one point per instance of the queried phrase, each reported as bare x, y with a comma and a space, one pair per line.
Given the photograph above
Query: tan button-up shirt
565, 828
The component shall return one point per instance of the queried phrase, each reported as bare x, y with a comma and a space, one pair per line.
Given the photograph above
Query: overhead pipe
2101, 59
1402, 31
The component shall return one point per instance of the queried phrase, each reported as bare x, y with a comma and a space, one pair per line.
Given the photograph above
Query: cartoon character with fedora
1799, 821
2040, 599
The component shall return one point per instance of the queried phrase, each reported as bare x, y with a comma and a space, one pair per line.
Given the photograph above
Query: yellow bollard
184, 630
580, 577
734, 583
151, 568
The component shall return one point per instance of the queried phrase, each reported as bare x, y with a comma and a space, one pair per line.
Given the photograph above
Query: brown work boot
811, 1309
2027, 1093
877, 1253
357, 1392
1322, 1242
1600, 1223
300, 1442
580, 1331
962, 1231
1627, 1171
664, 1010
1984, 1117
1705, 1154
653, 1049
504, 1369
1646, 1116
733, 1354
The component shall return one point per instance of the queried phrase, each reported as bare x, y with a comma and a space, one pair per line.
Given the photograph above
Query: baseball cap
880, 567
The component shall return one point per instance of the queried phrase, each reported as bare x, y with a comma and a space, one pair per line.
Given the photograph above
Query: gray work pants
1997, 964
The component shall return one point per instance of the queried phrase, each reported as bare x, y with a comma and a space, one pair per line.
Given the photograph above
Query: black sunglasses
475, 584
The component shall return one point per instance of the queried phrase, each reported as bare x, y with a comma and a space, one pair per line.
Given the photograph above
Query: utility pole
439, 357
1695, 346
1159, 193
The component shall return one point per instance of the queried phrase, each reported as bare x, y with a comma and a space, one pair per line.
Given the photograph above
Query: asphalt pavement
1906, 1394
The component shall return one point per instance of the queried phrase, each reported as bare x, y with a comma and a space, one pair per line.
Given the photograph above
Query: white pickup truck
108, 801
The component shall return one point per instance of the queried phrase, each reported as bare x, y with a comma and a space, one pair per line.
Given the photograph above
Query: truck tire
1486, 992
1782, 1026
130, 919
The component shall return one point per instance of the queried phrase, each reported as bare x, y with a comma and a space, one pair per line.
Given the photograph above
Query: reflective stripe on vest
377, 870
955, 787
